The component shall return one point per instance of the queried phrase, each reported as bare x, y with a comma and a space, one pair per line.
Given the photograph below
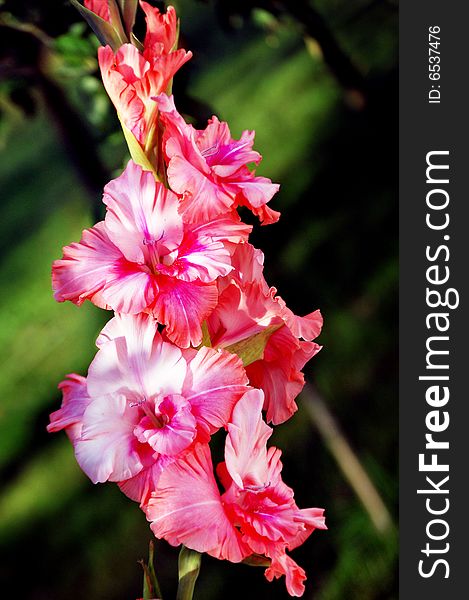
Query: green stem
189, 568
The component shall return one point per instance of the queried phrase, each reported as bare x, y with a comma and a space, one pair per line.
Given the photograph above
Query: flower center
167, 424
157, 254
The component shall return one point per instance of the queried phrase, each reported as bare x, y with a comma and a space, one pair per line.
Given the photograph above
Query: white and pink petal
75, 400
107, 449
86, 267
136, 359
215, 382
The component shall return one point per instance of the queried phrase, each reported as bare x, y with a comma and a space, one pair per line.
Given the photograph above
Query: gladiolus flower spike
198, 341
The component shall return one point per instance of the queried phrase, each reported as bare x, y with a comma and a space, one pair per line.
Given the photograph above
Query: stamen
138, 403
257, 488
210, 151
152, 241
153, 254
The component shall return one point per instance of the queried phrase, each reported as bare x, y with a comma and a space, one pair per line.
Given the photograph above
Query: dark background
317, 81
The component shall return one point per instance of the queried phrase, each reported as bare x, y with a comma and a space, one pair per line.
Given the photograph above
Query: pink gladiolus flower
256, 514
144, 402
144, 258
162, 29
209, 168
132, 78
248, 307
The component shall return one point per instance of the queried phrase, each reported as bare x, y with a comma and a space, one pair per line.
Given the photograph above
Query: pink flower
248, 307
132, 78
162, 30
144, 258
209, 168
144, 402
256, 514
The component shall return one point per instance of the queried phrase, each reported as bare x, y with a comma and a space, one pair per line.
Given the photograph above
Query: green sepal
136, 42
128, 9
151, 587
136, 151
206, 341
252, 348
104, 31
189, 568
257, 560
116, 20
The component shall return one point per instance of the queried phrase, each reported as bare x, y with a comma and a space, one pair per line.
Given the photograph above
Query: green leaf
252, 348
189, 568
104, 31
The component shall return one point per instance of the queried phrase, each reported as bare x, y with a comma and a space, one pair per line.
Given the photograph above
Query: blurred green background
317, 81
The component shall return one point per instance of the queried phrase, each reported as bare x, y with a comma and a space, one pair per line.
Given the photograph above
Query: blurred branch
347, 460
8, 20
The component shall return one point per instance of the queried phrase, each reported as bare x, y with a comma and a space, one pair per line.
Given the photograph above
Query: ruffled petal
294, 574
246, 443
307, 327
108, 449
162, 70
128, 290
136, 359
202, 199
241, 313
179, 136
70, 414
255, 192
215, 382
120, 88
141, 213
227, 228
201, 257
279, 375
175, 431
183, 306
311, 518
141, 486
248, 263
223, 154
86, 267
186, 509
161, 28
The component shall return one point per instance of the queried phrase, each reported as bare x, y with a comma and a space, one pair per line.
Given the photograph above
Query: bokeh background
317, 81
